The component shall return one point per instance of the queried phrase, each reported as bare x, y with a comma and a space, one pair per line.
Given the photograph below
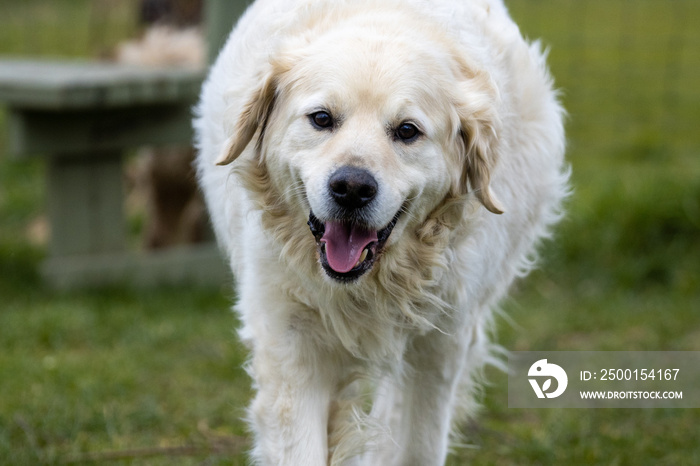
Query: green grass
154, 377
119, 371
65, 28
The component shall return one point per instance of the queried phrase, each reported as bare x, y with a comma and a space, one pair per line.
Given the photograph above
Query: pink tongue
344, 244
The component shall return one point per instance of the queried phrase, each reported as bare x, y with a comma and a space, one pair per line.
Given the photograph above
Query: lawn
118, 376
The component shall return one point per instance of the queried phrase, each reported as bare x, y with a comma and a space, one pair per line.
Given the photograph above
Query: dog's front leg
418, 408
295, 379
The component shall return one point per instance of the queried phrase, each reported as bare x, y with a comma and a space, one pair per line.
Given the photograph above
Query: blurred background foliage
153, 377
628, 77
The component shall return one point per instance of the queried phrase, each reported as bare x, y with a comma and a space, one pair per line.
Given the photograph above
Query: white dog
378, 172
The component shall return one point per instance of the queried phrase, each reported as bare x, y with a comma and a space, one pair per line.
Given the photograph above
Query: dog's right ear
252, 116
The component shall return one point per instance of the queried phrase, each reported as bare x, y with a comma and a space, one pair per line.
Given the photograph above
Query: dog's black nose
352, 187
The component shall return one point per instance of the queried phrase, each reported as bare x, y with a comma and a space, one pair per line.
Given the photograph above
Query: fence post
220, 16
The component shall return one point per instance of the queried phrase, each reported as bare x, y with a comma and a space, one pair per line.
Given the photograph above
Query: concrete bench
82, 116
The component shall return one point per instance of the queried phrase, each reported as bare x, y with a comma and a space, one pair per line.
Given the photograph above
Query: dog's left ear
252, 116
478, 130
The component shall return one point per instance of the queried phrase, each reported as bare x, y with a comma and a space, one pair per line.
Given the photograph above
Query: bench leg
88, 233
86, 204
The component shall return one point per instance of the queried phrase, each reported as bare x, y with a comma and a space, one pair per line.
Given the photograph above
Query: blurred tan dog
164, 176
378, 172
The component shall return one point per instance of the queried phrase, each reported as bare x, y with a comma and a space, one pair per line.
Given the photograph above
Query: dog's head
364, 128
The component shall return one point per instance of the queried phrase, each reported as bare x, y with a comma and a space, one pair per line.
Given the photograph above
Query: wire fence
629, 70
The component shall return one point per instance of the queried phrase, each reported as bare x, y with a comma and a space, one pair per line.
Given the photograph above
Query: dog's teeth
363, 256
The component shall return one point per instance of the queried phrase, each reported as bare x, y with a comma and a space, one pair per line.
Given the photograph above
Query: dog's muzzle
348, 247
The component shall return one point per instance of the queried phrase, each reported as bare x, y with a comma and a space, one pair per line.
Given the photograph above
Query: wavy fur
375, 372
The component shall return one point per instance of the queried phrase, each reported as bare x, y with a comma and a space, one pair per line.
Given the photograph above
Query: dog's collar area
358, 256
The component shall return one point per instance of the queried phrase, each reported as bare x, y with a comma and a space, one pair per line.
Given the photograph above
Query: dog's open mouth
348, 250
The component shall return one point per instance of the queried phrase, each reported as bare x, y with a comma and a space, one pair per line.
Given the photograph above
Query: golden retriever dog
378, 173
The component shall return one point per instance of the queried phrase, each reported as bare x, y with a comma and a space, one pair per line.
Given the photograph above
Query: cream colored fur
478, 190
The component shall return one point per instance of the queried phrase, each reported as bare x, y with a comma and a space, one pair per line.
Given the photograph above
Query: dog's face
364, 134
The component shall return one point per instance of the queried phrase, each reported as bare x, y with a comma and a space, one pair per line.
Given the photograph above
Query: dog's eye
321, 120
407, 132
